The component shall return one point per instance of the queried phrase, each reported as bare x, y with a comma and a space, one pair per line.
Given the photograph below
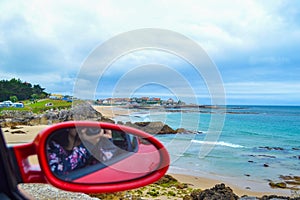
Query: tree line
16, 90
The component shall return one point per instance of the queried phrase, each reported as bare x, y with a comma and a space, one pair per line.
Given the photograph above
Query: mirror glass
91, 154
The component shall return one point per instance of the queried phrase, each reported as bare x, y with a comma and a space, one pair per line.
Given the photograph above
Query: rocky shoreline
13, 118
167, 187
9, 118
87, 112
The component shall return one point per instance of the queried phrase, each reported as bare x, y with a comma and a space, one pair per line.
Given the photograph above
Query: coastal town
140, 102
133, 102
149, 103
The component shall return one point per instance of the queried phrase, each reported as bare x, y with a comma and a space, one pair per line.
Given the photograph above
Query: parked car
139, 159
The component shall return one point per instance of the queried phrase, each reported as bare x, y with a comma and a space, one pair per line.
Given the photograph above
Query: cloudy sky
254, 46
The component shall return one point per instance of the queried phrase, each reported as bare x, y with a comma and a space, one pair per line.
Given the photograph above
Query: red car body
145, 166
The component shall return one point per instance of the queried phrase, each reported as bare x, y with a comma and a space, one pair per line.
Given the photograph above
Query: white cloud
54, 37
218, 26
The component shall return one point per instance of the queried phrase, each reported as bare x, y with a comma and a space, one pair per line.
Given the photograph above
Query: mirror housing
118, 175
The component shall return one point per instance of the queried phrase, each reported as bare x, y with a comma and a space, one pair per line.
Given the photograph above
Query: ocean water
255, 142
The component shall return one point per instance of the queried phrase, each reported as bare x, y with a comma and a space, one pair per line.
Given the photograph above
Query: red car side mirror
133, 158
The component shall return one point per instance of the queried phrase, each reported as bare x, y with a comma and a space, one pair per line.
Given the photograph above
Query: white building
7, 104
18, 105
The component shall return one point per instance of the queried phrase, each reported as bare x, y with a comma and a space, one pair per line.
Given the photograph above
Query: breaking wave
221, 143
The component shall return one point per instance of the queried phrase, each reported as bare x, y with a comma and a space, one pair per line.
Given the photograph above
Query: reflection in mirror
96, 155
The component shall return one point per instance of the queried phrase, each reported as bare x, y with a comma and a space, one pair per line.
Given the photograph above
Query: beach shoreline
241, 186
26, 134
113, 111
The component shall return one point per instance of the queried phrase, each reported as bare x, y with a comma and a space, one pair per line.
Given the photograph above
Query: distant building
138, 101
7, 104
18, 105
67, 99
145, 98
56, 96
170, 101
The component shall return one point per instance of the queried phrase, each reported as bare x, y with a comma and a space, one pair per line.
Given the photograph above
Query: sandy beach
112, 111
256, 189
22, 134
27, 134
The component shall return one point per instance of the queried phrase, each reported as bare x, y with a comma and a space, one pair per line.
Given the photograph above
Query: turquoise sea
256, 142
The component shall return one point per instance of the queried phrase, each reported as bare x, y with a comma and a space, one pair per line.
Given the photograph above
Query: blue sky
255, 46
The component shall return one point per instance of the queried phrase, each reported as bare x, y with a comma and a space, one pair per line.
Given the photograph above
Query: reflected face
72, 132
117, 156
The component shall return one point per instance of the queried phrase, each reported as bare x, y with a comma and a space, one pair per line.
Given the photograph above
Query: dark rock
167, 129
195, 194
181, 186
292, 182
289, 182
166, 179
267, 148
18, 132
296, 178
272, 148
187, 197
262, 155
152, 127
50, 115
286, 177
245, 197
266, 165
218, 192
267, 156
278, 185
274, 197
278, 148
15, 127
181, 130
65, 115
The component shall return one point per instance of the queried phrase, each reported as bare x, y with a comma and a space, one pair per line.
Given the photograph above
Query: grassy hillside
40, 105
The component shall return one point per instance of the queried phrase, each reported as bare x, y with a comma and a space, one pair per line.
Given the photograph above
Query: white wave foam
221, 143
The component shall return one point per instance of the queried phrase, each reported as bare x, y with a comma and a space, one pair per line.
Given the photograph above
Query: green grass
165, 187
40, 106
